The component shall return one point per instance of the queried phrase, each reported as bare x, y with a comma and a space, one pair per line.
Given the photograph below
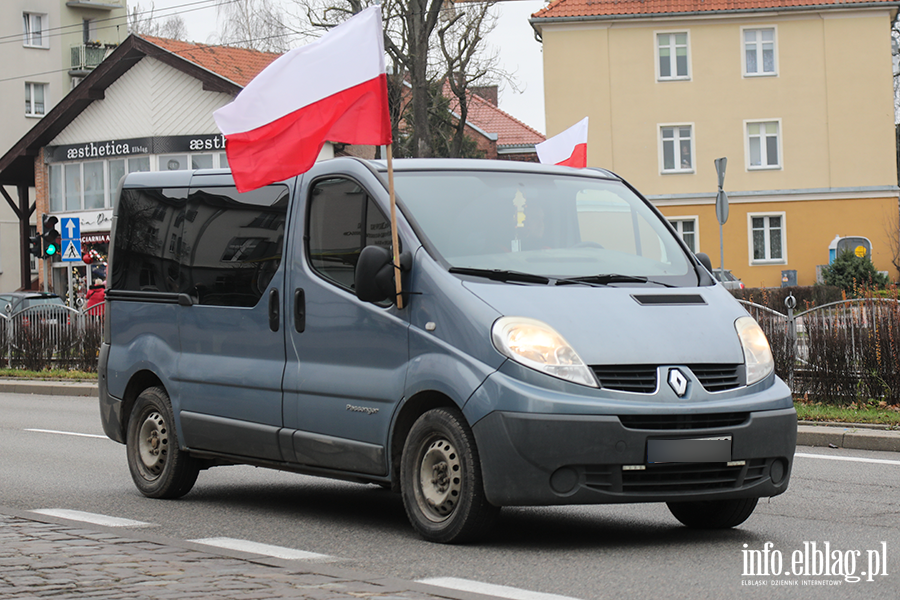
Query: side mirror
704, 260
374, 275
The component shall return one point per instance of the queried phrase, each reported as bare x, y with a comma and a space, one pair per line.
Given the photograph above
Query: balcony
85, 57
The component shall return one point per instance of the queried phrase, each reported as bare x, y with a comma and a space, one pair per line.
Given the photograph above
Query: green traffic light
51, 249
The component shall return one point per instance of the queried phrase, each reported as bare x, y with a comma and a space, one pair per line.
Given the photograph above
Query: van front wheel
440, 480
158, 466
714, 514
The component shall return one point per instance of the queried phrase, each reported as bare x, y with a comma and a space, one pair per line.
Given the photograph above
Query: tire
440, 480
714, 514
159, 468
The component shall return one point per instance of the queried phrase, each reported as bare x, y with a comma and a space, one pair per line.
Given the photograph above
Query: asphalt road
849, 500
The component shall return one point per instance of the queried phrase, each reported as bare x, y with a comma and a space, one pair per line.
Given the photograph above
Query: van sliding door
232, 337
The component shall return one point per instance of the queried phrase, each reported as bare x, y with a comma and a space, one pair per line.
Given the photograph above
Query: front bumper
543, 459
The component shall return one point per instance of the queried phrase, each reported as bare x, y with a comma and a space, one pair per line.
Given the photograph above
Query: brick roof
491, 119
612, 8
239, 65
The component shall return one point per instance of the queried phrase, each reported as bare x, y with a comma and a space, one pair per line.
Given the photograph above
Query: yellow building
799, 99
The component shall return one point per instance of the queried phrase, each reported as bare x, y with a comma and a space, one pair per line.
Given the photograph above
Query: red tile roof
239, 65
611, 8
489, 118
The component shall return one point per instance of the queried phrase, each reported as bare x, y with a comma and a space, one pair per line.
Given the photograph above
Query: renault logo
678, 382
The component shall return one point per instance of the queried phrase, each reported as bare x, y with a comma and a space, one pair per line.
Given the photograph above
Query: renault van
555, 342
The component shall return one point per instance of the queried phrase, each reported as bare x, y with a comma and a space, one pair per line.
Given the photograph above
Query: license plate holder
690, 450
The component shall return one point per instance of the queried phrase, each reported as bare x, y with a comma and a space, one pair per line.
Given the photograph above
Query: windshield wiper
501, 275
609, 278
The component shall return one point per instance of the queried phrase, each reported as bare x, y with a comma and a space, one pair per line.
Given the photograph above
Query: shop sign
146, 145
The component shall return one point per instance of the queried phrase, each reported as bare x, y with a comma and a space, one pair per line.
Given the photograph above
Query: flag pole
395, 238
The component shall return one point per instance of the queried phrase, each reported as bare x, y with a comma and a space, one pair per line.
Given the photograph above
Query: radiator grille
684, 421
718, 378
640, 379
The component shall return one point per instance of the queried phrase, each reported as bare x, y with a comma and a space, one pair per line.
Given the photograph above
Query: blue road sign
70, 230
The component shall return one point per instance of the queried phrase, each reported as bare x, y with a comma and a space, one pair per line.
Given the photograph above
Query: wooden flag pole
395, 238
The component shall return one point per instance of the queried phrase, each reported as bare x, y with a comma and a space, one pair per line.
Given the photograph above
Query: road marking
86, 517
877, 461
489, 589
90, 435
257, 548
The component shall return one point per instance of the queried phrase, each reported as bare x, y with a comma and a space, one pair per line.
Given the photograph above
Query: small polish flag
334, 89
568, 148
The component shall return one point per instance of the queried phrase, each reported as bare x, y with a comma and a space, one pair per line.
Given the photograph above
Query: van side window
338, 208
232, 243
146, 220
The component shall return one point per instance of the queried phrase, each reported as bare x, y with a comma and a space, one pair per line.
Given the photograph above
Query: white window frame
28, 20
759, 54
676, 140
779, 139
673, 62
677, 224
29, 109
768, 260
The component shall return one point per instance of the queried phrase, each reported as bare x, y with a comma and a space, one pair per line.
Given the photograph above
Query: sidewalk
41, 556
831, 435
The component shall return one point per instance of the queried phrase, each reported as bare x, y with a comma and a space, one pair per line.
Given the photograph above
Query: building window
35, 99
687, 230
759, 51
88, 30
767, 238
34, 27
763, 145
672, 50
677, 145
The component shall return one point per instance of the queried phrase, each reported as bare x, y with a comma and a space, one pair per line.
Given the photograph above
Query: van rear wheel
159, 468
440, 480
714, 514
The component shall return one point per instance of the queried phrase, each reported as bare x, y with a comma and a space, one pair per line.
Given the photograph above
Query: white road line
90, 435
877, 461
489, 589
264, 549
86, 517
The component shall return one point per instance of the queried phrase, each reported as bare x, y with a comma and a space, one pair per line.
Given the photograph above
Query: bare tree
255, 24
142, 21
427, 41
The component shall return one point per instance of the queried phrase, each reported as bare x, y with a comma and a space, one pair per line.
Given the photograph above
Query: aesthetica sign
122, 148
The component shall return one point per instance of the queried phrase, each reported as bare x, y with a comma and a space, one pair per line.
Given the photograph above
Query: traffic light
49, 236
35, 246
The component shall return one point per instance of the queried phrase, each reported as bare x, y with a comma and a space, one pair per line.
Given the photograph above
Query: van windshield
555, 226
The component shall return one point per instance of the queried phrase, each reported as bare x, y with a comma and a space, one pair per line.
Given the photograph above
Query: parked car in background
727, 279
13, 302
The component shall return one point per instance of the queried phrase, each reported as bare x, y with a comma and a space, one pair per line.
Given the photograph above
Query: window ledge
753, 75
35, 47
767, 263
664, 79
678, 172
764, 168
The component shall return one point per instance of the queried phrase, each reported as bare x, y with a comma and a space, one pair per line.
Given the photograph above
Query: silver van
557, 343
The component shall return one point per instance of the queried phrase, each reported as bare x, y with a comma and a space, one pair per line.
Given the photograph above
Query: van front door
346, 359
232, 336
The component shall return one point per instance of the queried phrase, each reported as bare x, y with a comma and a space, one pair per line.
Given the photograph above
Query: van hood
629, 325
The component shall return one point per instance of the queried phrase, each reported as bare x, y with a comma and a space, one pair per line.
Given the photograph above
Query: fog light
778, 470
564, 480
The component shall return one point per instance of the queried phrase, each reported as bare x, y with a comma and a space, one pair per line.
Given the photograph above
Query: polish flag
568, 148
334, 89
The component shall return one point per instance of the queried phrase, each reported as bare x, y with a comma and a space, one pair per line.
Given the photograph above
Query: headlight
538, 346
757, 353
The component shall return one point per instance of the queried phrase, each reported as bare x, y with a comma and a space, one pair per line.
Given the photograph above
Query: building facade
48, 48
798, 98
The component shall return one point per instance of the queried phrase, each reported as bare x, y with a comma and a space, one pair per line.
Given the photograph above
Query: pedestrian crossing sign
72, 252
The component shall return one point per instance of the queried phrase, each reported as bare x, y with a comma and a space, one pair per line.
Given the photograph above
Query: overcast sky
519, 52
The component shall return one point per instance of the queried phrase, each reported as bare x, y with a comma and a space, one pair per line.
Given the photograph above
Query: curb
829, 435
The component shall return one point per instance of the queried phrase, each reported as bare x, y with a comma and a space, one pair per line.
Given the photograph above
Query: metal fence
846, 351
51, 336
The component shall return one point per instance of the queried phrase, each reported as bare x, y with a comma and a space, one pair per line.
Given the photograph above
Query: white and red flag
334, 89
568, 148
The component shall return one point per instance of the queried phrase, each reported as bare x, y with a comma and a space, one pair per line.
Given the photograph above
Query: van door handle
274, 310
299, 310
